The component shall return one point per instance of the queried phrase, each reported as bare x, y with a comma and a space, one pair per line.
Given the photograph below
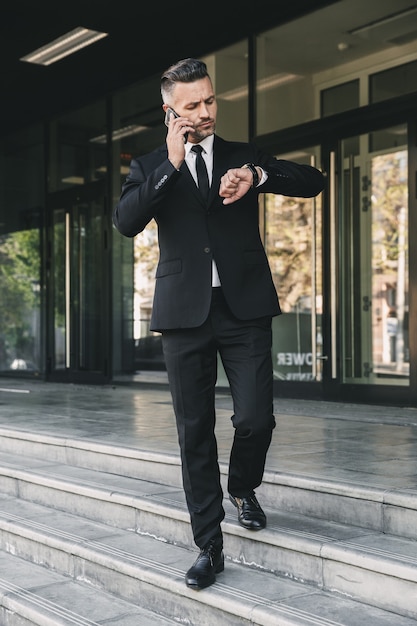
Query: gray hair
185, 71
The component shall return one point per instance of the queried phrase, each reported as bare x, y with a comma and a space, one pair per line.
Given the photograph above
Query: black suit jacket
191, 232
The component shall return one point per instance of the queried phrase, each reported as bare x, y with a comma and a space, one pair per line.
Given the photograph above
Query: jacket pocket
166, 268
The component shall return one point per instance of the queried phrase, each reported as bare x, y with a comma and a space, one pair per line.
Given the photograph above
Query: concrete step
385, 508
31, 594
58, 568
370, 566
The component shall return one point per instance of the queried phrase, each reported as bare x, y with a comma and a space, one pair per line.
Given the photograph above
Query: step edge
343, 552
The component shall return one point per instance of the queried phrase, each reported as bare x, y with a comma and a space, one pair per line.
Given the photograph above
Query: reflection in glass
293, 245
284, 90
393, 82
228, 69
373, 222
343, 97
78, 148
77, 287
59, 283
20, 301
87, 316
148, 345
390, 263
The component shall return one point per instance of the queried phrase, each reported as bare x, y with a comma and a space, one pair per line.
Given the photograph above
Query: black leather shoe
209, 563
249, 512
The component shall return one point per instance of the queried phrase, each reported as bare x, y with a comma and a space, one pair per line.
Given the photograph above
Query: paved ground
359, 444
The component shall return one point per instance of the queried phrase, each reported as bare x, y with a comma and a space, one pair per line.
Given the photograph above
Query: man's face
197, 102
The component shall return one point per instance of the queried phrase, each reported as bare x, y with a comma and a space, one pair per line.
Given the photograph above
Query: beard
201, 133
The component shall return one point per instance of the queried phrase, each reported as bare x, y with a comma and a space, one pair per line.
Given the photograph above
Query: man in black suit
214, 295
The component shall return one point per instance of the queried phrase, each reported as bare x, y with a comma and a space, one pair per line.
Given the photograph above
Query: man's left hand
235, 183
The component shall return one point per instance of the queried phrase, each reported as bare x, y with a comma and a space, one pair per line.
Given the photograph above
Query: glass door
372, 220
293, 242
78, 346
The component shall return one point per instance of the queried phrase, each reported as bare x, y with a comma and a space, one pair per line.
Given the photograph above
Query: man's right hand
178, 127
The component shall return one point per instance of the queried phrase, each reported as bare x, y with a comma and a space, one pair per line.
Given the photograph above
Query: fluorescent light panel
403, 20
64, 46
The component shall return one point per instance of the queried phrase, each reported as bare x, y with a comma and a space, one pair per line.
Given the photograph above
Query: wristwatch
252, 168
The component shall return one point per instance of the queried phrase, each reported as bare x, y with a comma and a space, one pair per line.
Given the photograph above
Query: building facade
336, 88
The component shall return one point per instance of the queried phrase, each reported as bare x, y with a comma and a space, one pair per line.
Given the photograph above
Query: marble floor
359, 444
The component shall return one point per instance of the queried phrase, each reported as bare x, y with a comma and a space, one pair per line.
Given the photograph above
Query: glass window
21, 212
284, 95
138, 128
78, 148
228, 69
388, 138
330, 49
390, 263
78, 297
394, 82
293, 244
340, 98
374, 259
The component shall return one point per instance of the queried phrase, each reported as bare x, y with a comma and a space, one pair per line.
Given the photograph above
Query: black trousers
191, 361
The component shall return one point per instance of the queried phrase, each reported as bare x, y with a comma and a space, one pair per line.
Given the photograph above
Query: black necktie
202, 176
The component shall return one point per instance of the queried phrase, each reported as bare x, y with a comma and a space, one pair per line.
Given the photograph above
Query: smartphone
168, 114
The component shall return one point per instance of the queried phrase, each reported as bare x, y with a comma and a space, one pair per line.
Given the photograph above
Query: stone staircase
98, 534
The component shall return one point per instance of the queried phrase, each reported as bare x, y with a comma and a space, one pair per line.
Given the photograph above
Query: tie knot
197, 149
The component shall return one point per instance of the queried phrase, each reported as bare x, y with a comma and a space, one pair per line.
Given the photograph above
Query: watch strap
252, 168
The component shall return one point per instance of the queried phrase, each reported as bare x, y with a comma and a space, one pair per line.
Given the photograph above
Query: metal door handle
333, 264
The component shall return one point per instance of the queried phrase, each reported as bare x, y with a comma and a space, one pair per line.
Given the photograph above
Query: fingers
234, 184
179, 127
228, 183
234, 177
176, 138
231, 177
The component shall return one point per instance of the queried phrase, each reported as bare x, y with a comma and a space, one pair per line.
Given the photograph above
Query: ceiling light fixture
64, 46
390, 28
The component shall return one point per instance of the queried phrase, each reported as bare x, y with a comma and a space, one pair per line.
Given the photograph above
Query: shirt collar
206, 144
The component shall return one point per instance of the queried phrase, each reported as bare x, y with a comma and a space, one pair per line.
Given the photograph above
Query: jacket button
207, 250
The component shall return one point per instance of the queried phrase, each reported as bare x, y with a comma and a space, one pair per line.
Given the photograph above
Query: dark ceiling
144, 38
